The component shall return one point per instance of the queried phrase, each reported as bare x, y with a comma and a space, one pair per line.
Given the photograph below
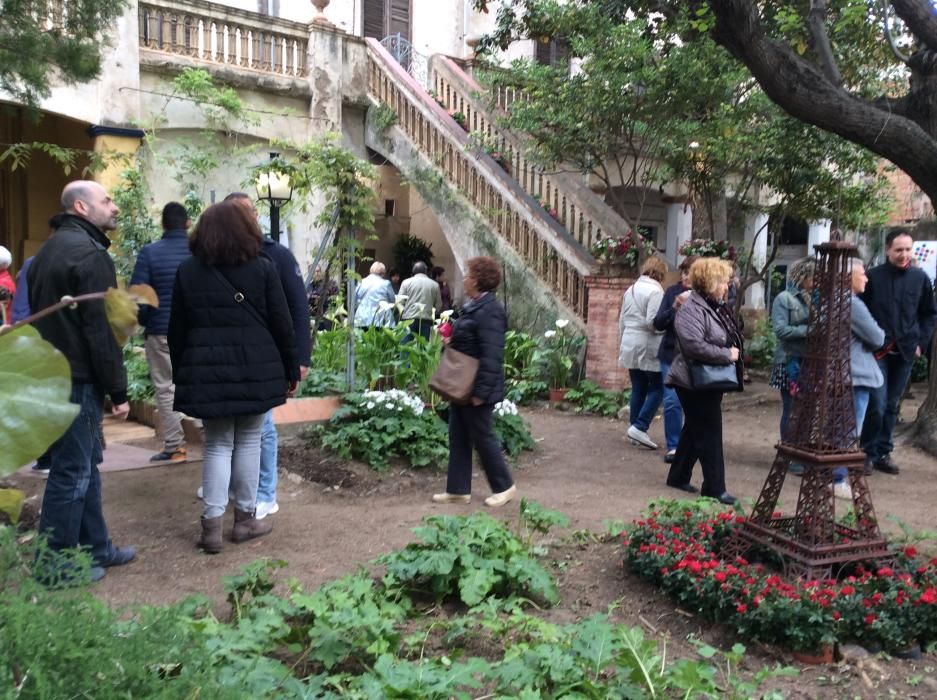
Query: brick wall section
605, 295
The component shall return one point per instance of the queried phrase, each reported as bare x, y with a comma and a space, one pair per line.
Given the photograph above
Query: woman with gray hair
789, 315
373, 290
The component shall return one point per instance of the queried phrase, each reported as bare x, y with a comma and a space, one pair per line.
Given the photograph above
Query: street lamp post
274, 188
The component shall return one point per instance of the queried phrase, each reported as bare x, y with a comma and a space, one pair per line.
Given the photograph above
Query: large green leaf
35, 385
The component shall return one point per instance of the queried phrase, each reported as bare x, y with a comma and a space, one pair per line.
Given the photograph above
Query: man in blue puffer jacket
156, 266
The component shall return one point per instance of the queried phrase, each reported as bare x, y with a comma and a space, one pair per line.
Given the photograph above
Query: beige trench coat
639, 339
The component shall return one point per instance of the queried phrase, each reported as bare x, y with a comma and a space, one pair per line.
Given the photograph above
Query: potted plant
560, 346
706, 248
621, 255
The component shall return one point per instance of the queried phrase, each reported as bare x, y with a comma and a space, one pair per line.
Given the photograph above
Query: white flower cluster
392, 400
506, 408
560, 323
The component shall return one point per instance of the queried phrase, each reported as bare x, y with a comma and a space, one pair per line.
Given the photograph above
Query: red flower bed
678, 546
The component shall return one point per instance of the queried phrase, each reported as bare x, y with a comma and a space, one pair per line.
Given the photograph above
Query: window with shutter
384, 18
374, 18
553, 53
399, 18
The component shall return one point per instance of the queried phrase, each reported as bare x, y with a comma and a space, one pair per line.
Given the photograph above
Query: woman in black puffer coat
479, 332
233, 359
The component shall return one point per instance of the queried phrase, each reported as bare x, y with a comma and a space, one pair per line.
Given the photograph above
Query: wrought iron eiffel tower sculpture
821, 435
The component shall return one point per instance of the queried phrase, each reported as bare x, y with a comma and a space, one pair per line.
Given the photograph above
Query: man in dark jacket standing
156, 266
901, 300
291, 278
75, 261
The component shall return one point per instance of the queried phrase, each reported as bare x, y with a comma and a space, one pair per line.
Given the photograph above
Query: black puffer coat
225, 362
479, 332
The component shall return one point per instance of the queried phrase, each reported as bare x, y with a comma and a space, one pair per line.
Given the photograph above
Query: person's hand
917, 351
446, 339
292, 388
303, 372
681, 298
477, 401
734, 354
121, 410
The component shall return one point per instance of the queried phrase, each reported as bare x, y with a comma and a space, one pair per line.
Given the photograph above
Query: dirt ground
335, 516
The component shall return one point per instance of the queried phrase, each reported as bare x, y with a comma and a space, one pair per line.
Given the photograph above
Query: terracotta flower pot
558, 395
823, 656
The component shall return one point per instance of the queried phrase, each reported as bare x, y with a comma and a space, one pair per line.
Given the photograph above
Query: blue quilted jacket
156, 266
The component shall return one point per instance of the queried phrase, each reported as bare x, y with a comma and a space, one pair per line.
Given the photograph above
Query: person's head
175, 217
898, 247
378, 268
6, 258
655, 268
226, 234
710, 277
243, 200
419, 268
90, 201
482, 274
859, 279
801, 273
684, 268
394, 275
439, 274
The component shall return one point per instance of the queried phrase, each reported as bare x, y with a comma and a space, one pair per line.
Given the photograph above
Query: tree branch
816, 21
919, 18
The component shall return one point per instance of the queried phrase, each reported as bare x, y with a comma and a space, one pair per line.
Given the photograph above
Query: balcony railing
549, 251
232, 37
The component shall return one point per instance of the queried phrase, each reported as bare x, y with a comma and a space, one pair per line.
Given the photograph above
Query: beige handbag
454, 378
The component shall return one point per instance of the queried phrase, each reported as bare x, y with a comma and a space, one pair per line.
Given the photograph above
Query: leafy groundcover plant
511, 429
678, 545
356, 637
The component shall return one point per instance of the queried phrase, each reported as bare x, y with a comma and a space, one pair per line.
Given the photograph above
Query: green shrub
139, 385
378, 425
522, 372
511, 429
469, 558
759, 351
321, 382
588, 397
919, 369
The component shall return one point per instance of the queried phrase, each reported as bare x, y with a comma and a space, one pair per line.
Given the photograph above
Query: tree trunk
924, 430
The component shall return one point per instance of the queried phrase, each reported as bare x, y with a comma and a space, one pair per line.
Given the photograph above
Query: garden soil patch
583, 467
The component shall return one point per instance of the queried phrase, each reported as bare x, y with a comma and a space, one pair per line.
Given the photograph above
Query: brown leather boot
247, 527
210, 540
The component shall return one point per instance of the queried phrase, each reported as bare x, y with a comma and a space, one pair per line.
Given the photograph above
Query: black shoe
724, 497
120, 556
884, 464
868, 466
688, 487
669, 456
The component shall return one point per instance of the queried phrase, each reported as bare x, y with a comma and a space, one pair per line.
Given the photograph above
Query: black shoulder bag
239, 297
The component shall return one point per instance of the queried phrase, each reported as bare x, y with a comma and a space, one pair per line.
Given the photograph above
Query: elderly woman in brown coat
706, 332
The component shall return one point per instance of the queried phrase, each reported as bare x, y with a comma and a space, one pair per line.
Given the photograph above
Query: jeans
647, 391
231, 457
72, 513
700, 439
787, 399
157, 356
860, 402
471, 426
673, 412
882, 414
267, 487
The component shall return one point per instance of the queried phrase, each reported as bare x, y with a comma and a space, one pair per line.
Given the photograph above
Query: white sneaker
641, 437
452, 497
496, 500
842, 490
265, 508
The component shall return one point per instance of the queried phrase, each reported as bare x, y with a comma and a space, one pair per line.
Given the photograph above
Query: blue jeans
72, 513
647, 391
786, 401
267, 489
860, 402
882, 415
231, 459
673, 411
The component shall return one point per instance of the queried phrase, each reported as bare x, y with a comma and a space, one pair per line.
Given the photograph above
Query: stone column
756, 241
679, 229
605, 295
819, 232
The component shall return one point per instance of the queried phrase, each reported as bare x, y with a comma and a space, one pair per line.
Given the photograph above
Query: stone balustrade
222, 35
547, 248
580, 210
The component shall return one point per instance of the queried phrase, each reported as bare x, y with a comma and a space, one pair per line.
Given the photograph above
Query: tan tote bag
454, 378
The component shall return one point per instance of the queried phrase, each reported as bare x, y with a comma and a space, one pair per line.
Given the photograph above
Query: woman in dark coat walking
479, 332
705, 332
233, 359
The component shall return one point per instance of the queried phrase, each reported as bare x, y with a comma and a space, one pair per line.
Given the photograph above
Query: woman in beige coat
639, 344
